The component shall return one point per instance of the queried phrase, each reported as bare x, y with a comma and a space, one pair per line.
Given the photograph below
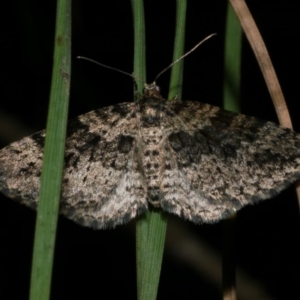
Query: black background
101, 264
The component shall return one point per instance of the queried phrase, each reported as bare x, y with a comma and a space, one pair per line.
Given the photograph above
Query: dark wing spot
76, 126
202, 143
125, 143
175, 142
121, 109
155, 153
167, 166
39, 138
223, 118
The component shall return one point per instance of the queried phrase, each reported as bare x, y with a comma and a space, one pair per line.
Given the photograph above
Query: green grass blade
175, 88
232, 62
139, 59
151, 246
231, 89
48, 207
150, 227
142, 223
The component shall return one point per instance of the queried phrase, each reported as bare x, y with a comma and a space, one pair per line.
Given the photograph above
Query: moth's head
151, 90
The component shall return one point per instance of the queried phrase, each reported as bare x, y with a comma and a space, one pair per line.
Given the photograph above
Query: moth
194, 160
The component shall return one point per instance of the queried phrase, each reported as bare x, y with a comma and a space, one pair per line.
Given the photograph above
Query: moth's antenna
183, 56
163, 71
108, 67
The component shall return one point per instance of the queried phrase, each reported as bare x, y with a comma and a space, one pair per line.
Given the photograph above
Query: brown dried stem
252, 33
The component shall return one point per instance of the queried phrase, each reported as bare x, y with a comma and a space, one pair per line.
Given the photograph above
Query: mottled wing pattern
218, 161
20, 169
191, 159
102, 183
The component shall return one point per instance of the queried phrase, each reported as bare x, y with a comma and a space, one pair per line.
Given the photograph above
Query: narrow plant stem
251, 31
139, 67
175, 88
150, 227
259, 48
51, 177
139, 59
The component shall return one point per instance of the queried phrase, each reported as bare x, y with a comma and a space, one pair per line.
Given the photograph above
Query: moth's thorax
151, 111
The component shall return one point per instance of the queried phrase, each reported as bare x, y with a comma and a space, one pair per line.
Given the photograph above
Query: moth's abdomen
152, 163
151, 131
